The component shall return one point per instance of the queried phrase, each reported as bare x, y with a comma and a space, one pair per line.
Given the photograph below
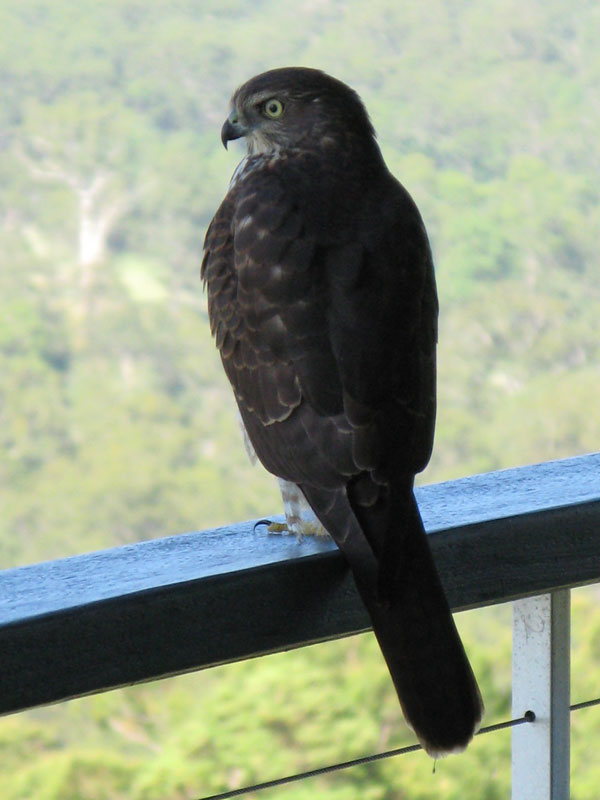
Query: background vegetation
116, 423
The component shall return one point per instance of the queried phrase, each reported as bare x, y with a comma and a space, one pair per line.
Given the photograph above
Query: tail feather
425, 656
413, 624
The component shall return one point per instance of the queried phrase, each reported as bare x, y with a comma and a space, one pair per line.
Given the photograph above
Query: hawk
322, 302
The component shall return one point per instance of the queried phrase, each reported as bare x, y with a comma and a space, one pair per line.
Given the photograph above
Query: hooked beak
232, 129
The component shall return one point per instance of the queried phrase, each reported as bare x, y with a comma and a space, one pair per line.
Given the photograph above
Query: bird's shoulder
324, 299
290, 249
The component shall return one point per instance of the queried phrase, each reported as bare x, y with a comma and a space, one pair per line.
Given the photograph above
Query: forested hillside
116, 423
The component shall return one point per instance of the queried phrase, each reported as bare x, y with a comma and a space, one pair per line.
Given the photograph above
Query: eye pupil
273, 108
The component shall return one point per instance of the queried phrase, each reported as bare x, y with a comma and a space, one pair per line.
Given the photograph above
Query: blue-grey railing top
170, 605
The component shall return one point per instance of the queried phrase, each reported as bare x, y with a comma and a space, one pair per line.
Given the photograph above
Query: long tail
411, 620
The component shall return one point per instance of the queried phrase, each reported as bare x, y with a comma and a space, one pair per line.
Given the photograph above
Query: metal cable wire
585, 704
528, 716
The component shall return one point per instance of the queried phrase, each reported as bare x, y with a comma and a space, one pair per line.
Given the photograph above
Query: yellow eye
273, 108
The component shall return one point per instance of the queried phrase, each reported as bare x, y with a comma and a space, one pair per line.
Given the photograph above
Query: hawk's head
295, 107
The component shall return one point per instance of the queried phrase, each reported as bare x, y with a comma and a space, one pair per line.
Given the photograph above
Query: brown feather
322, 301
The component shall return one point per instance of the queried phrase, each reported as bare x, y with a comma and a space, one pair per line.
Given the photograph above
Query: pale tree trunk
96, 220
98, 211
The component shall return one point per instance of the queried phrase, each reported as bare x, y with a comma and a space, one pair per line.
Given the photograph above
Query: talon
259, 522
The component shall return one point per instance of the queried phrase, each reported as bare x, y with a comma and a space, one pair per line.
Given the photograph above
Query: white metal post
540, 683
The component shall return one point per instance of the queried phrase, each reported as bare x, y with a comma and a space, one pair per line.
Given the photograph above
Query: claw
260, 522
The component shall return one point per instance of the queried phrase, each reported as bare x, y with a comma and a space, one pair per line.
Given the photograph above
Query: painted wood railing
135, 613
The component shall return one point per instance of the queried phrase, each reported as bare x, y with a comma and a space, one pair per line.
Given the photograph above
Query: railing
135, 613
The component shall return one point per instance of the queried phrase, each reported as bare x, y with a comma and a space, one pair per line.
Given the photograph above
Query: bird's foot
311, 528
277, 527
297, 527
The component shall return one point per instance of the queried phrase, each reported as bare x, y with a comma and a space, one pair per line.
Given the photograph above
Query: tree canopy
116, 423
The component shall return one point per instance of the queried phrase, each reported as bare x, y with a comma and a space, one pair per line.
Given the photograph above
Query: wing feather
328, 341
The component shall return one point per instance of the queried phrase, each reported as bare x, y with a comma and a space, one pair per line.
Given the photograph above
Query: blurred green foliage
116, 423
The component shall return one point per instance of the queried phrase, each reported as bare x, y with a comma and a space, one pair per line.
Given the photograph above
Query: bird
322, 302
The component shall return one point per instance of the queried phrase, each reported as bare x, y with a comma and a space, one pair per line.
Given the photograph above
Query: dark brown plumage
322, 301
